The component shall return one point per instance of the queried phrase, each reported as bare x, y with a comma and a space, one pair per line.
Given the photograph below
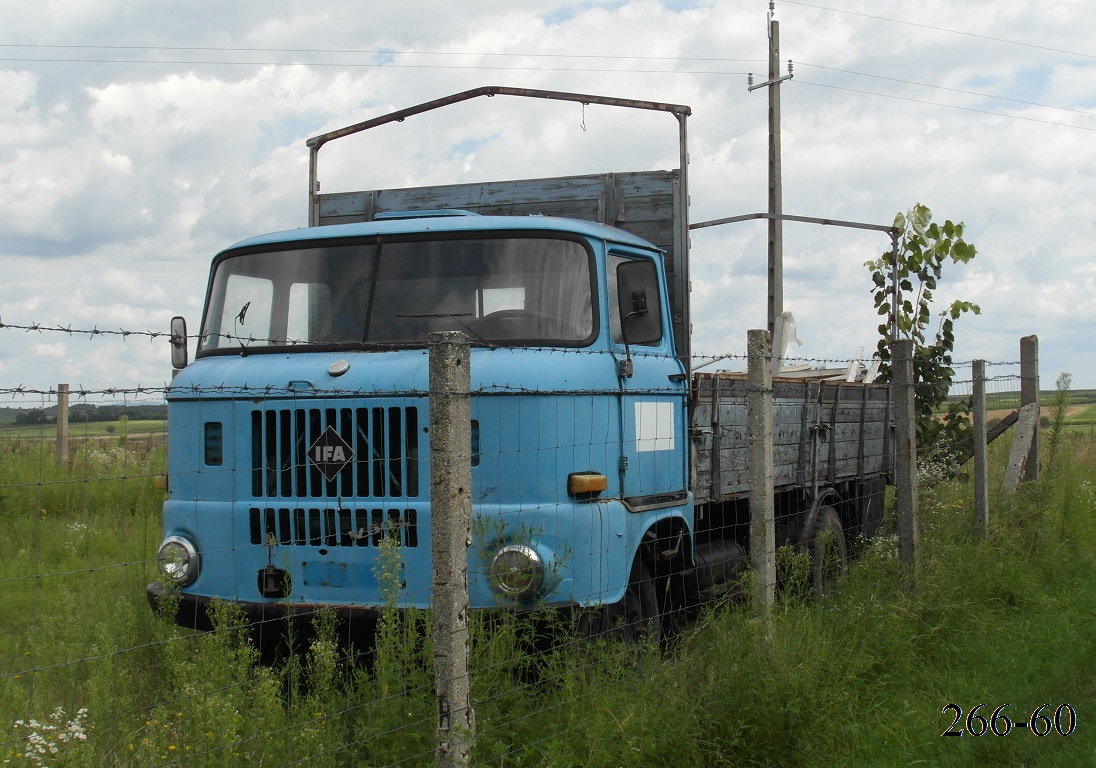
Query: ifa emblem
330, 453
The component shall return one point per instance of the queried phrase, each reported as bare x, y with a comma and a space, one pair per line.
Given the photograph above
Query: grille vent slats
327, 527
384, 441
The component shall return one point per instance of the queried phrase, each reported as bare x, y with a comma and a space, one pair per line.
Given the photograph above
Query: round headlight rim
535, 570
193, 560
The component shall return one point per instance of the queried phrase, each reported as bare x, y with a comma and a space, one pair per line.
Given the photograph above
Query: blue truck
611, 477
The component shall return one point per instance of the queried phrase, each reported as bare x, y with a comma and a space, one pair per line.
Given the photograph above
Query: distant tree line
84, 412
34, 416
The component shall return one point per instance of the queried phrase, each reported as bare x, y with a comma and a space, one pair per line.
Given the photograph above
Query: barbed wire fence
94, 669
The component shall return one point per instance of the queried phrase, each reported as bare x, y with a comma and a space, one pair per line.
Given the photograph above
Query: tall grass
858, 678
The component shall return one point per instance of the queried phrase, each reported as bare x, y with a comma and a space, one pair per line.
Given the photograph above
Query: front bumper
268, 621
274, 625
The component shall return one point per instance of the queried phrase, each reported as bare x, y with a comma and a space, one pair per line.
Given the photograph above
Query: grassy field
860, 678
1085, 416
129, 427
1081, 411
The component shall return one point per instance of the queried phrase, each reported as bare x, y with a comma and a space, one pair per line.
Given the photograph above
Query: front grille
333, 527
383, 443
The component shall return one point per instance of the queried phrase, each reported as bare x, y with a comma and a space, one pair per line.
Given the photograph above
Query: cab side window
635, 304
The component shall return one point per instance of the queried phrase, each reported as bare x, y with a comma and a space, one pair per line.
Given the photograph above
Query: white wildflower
44, 739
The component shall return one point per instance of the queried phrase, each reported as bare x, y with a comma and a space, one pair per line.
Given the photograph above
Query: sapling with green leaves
924, 248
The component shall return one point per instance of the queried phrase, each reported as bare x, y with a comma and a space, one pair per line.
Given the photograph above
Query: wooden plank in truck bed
640, 202
823, 431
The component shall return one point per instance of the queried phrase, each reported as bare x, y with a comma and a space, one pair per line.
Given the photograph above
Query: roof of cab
432, 222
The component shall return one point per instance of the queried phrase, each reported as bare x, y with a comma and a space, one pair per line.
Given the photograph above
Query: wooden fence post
451, 535
981, 466
905, 429
759, 421
62, 424
1029, 394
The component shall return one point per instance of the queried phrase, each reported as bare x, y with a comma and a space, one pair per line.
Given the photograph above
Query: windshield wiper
441, 314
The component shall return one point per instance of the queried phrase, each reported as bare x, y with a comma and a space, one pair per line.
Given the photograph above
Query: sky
139, 139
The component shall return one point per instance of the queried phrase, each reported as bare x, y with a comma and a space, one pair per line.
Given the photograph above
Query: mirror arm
626, 367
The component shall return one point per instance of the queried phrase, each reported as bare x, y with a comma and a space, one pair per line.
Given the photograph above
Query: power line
369, 65
486, 67
951, 90
947, 106
370, 51
941, 29
489, 67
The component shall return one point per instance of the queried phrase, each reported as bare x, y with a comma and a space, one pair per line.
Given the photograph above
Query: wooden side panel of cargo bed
822, 431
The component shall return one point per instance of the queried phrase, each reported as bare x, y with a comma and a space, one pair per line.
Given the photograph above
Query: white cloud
120, 181
54, 351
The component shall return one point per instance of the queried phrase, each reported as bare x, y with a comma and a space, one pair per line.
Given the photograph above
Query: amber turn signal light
586, 483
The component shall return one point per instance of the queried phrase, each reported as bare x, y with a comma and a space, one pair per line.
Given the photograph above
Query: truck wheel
829, 558
635, 619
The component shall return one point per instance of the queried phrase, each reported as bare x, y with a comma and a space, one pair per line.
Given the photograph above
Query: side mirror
637, 299
178, 342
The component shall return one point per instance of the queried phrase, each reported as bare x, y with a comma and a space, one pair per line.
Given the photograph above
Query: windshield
505, 290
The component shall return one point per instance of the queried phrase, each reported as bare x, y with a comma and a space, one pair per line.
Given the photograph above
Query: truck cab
299, 437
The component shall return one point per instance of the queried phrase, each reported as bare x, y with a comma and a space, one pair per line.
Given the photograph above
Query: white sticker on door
654, 426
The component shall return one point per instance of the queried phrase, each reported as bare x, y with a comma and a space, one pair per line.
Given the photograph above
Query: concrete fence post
905, 475
981, 464
1029, 395
1024, 434
62, 424
759, 421
450, 536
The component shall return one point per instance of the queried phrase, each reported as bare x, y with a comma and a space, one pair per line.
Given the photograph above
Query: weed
794, 574
54, 738
859, 678
1058, 408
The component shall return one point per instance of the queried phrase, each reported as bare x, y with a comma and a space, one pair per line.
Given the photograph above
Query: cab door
652, 381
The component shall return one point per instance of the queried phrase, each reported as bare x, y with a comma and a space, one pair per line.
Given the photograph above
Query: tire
829, 555
635, 619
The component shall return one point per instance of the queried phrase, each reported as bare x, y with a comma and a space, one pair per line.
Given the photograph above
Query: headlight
179, 560
516, 571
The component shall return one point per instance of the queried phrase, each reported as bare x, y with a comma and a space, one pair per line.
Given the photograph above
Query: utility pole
776, 197
776, 205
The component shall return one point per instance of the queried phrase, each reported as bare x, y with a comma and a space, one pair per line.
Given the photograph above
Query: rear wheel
826, 545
